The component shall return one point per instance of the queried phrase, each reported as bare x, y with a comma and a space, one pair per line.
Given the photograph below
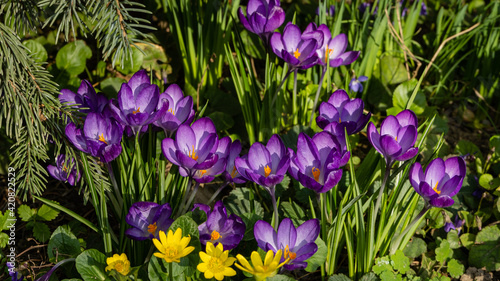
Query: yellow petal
219, 276
202, 267
164, 238
184, 241
178, 235
269, 257
243, 268
210, 248
209, 274
229, 261
187, 251
158, 245
256, 260
204, 257
229, 271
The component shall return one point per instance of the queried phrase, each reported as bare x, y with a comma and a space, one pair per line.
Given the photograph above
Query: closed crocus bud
263, 17
180, 110
85, 99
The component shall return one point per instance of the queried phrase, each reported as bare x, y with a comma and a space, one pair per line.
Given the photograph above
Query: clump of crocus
172, 246
441, 180
318, 162
194, 147
137, 103
261, 270
180, 110
397, 136
342, 112
85, 99
216, 262
297, 244
355, 84
219, 228
119, 263
263, 17
100, 137
296, 48
64, 170
147, 220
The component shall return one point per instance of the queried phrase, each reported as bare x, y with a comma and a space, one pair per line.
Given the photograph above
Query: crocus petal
452, 186
416, 176
442, 201
291, 37
275, 19
390, 146
406, 118
264, 233
307, 232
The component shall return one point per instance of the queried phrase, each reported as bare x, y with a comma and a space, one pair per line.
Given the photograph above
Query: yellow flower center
267, 171
171, 252
327, 53
119, 266
289, 254
234, 173
65, 168
215, 265
101, 138
296, 54
171, 111
192, 154
316, 172
202, 172
215, 235
435, 188
137, 111
152, 228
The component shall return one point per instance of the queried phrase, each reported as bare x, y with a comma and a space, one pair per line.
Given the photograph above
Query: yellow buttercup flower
216, 262
172, 246
119, 263
261, 270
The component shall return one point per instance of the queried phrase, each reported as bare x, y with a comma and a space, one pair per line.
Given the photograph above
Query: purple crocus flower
343, 112
332, 50
457, 225
180, 109
219, 228
441, 181
296, 243
61, 170
14, 275
147, 220
231, 174
208, 175
264, 16
194, 147
397, 137
355, 84
296, 48
265, 165
137, 103
100, 137
329, 12
85, 99
317, 164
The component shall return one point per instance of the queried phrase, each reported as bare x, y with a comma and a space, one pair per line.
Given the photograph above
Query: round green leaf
91, 265
37, 51
72, 57
455, 269
488, 182
415, 248
318, 258
63, 243
485, 252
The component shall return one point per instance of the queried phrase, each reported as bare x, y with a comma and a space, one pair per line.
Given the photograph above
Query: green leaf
222, 121
466, 147
488, 182
467, 240
188, 226
25, 212
400, 262
455, 269
4, 220
63, 243
72, 57
91, 265
131, 65
339, 277
4, 238
47, 213
369, 277
318, 258
382, 264
111, 86
238, 202
485, 252
401, 96
452, 237
444, 252
392, 70
41, 232
495, 145
157, 270
36, 50
390, 276
249, 219
281, 277
293, 211
415, 248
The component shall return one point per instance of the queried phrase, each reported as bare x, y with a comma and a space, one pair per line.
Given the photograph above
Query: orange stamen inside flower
193, 154
202, 172
435, 188
289, 254
234, 173
152, 228
171, 111
267, 171
65, 168
101, 138
316, 172
215, 235
296, 54
327, 53
137, 111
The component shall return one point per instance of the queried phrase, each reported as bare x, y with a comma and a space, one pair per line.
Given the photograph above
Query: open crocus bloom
295, 48
264, 16
343, 112
64, 171
397, 136
318, 161
219, 228
194, 147
297, 244
441, 180
180, 109
231, 174
85, 97
208, 175
147, 220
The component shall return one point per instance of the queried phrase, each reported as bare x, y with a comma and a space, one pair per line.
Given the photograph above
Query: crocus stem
217, 192
191, 197
181, 206
140, 167
294, 98
396, 245
275, 207
317, 95
382, 187
115, 187
280, 86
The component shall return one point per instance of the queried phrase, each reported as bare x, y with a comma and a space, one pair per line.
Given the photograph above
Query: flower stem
115, 187
191, 197
170, 272
382, 187
396, 245
217, 192
317, 95
181, 206
275, 207
294, 99
280, 86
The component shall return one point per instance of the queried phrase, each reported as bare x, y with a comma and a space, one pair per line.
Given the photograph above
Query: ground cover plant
266, 140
